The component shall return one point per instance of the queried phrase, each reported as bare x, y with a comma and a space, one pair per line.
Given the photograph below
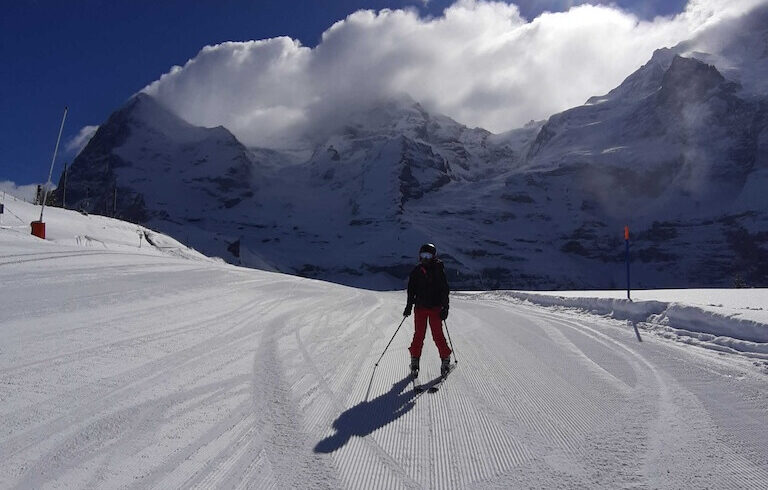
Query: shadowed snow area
160, 368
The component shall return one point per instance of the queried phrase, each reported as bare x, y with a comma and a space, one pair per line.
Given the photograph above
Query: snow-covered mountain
148, 163
679, 151
351, 211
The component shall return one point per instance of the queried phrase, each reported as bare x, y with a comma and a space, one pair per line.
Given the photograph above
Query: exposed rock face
144, 157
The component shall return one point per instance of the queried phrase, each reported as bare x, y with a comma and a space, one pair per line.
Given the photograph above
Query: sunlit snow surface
747, 304
155, 367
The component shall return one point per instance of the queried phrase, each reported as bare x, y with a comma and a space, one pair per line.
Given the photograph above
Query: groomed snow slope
142, 369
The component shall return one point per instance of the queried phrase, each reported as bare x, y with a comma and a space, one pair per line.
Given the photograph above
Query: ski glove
407, 310
444, 313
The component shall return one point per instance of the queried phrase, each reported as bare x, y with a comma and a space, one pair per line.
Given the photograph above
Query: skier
428, 291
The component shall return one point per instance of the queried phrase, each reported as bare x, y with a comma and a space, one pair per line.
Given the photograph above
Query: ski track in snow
137, 371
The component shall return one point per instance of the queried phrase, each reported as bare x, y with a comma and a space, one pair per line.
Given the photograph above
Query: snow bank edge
737, 333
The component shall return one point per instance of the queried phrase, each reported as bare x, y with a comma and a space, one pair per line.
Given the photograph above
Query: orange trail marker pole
626, 241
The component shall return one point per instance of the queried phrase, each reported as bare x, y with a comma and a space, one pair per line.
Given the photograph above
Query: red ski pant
420, 317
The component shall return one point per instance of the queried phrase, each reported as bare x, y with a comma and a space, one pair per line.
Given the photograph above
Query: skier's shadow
369, 416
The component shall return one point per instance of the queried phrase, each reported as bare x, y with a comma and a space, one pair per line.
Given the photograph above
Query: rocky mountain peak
689, 80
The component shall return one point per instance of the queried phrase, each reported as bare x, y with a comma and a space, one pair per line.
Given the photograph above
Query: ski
436, 387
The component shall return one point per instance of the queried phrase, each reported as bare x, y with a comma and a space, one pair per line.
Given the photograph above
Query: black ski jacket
428, 286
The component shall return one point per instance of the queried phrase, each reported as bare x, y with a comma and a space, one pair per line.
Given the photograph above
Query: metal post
64, 194
626, 241
50, 172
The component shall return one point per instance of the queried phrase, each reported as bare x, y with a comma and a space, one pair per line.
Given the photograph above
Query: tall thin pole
64, 194
50, 172
626, 241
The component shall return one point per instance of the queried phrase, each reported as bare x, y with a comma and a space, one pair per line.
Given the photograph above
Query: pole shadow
637, 332
369, 416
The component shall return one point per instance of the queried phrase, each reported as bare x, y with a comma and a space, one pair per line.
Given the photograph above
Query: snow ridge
685, 321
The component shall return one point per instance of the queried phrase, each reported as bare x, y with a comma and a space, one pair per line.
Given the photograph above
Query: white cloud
480, 62
78, 142
25, 192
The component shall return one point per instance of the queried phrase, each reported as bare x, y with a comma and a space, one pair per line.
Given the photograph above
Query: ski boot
445, 366
414, 367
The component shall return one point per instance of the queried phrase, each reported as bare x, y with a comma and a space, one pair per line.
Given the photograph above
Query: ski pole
370, 383
390, 341
445, 322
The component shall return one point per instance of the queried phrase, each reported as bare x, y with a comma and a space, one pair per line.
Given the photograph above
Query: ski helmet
428, 248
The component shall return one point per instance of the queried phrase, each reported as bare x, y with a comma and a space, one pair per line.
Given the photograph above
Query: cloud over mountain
26, 192
481, 63
78, 142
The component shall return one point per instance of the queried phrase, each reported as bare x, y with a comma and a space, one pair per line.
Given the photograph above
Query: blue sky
93, 54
